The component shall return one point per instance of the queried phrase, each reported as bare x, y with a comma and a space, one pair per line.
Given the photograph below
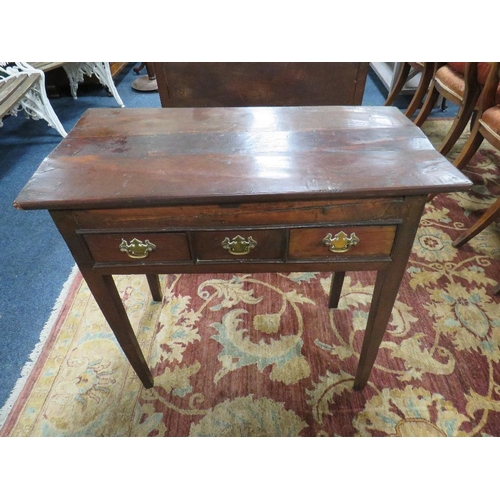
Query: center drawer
255, 244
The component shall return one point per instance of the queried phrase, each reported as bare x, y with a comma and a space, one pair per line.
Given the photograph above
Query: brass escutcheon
238, 245
340, 243
136, 249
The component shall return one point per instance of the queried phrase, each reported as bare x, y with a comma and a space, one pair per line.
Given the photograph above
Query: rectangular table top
121, 158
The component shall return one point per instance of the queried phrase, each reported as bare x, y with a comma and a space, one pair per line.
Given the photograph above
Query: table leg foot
104, 290
358, 387
384, 296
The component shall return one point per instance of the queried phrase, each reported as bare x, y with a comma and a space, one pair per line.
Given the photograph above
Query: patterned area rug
262, 355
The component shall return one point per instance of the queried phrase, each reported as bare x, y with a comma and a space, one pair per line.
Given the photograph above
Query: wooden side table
207, 190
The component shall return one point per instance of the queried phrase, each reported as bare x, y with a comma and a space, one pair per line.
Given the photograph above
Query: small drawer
355, 241
255, 244
137, 247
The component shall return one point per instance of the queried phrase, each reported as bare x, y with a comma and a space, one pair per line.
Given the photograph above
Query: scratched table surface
167, 156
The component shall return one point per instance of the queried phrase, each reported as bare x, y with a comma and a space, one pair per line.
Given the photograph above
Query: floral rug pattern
262, 355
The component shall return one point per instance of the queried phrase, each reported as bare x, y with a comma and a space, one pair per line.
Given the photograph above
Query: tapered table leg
104, 290
154, 286
384, 296
336, 289
386, 290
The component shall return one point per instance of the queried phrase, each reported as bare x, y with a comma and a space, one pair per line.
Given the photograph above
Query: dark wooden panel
260, 84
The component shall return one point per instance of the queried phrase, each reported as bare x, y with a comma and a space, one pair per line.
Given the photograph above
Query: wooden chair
23, 87
406, 71
486, 126
460, 83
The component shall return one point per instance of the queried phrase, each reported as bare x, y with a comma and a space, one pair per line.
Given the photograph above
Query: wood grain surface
169, 156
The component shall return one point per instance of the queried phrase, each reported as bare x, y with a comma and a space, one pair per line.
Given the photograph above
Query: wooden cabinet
260, 84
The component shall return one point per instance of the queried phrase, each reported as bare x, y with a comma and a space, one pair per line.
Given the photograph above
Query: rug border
29, 373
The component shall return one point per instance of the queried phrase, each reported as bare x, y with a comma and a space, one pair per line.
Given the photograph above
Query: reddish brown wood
386, 290
421, 91
373, 241
155, 287
483, 222
336, 289
399, 82
153, 157
186, 179
104, 290
269, 244
466, 101
485, 127
169, 246
242, 214
260, 84
426, 70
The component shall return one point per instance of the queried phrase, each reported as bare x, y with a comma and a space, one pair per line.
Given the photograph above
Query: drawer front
355, 241
235, 244
137, 247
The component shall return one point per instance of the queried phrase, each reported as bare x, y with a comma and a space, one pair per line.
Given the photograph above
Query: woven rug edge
59, 310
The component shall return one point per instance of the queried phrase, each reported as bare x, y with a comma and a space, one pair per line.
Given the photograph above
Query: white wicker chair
77, 70
23, 87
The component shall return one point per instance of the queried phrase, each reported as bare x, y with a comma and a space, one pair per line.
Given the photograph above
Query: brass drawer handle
238, 245
136, 249
340, 243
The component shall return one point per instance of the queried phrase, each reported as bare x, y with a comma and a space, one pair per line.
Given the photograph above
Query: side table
230, 190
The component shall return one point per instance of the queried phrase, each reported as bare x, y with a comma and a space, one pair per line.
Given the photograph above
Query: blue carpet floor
35, 262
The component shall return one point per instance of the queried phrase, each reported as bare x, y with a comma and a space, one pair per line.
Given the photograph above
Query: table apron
245, 267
